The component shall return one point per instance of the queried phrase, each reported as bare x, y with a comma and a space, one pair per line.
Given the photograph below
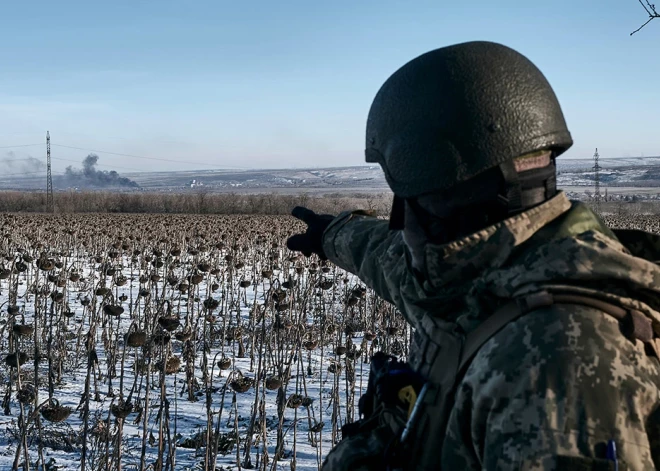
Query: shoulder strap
433, 406
496, 322
635, 324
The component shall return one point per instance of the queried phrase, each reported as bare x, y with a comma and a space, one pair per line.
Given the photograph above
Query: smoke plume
16, 164
89, 176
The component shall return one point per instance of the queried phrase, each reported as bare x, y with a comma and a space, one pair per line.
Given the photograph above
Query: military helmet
455, 112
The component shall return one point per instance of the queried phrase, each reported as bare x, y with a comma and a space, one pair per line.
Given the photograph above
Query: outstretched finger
304, 214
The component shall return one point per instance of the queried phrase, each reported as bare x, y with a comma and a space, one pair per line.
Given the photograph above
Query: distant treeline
190, 203
623, 208
231, 203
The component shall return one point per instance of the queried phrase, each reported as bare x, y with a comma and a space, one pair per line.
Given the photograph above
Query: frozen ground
307, 306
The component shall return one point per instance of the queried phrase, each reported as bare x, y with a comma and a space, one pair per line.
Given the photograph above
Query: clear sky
259, 84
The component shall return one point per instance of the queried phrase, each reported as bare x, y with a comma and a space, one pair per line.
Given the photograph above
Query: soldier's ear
397, 215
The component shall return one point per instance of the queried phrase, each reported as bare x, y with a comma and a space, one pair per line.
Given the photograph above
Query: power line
96, 165
19, 160
123, 155
146, 158
79, 134
597, 168
20, 174
22, 145
70, 160
49, 177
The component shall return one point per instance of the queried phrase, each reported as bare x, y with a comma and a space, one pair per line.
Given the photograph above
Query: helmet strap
527, 189
518, 192
511, 197
397, 214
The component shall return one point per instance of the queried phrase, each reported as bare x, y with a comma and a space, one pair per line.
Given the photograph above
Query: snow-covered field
266, 352
633, 171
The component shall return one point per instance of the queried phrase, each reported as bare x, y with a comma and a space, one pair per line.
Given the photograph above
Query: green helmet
457, 111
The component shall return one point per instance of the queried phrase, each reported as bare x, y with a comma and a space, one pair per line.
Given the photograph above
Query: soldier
536, 326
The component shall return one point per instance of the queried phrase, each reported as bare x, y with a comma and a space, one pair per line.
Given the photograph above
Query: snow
186, 418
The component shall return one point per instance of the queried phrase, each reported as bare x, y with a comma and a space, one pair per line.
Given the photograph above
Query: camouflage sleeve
549, 395
364, 245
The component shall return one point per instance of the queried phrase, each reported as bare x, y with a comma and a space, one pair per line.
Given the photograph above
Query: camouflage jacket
552, 387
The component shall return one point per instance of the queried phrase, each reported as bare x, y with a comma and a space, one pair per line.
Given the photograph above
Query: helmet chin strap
523, 190
511, 197
397, 214
519, 191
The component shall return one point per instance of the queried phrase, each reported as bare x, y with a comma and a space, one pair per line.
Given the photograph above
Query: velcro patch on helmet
532, 160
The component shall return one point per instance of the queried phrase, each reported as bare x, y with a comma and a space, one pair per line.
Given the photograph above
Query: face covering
442, 217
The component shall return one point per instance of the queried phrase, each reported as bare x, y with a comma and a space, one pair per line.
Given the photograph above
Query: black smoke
89, 176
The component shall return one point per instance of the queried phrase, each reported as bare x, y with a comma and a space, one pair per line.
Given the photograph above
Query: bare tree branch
644, 7
650, 10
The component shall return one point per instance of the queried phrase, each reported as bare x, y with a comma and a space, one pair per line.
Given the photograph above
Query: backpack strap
634, 324
434, 403
496, 322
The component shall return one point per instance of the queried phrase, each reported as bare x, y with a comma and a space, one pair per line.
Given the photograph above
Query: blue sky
289, 83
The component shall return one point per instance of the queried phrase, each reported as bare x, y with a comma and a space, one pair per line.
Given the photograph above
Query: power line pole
49, 185
596, 180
